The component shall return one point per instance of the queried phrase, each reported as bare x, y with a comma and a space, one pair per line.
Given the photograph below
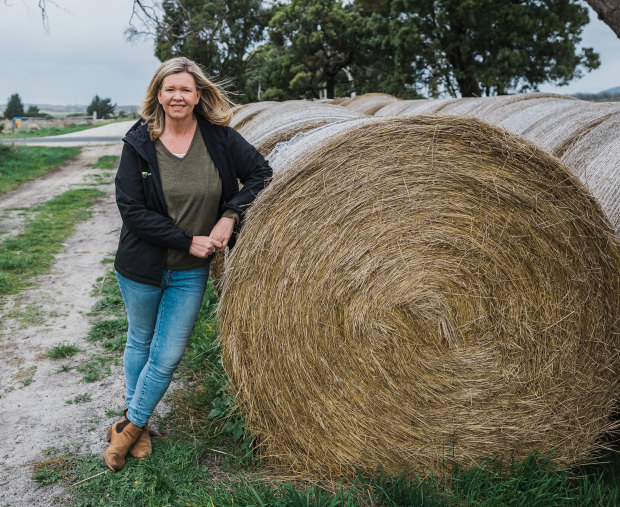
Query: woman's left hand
222, 231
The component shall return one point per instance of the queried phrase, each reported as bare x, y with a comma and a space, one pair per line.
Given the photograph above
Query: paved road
110, 133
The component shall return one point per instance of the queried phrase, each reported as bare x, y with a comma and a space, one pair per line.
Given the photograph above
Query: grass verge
50, 224
19, 164
49, 131
107, 162
205, 458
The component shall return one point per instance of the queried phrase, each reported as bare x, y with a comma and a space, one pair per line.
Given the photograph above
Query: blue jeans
160, 322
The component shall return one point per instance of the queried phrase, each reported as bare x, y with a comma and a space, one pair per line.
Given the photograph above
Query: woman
177, 192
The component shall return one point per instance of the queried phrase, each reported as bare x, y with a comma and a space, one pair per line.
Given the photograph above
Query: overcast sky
86, 53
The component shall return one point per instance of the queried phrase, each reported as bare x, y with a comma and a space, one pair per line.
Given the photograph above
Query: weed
95, 369
111, 302
25, 375
111, 412
52, 470
62, 351
112, 334
50, 451
80, 398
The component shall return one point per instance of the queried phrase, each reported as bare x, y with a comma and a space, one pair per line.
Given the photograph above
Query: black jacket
148, 232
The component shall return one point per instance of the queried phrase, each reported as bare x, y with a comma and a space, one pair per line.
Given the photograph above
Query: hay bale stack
245, 113
398, 106
561, 127
281, 122
411, 291
556, 123
594, 157
489, 108
369, 103
430, 106
537, 106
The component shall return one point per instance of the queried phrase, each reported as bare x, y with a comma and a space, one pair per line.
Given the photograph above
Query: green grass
205, 459
49, 225
111, 334
19, 164
107, 162
47, 131
80, 398
62, 351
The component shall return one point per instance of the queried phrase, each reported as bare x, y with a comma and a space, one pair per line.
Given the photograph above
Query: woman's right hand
203, 246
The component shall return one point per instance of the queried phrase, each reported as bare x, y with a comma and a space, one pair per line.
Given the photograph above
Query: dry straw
561, 125
417, 291
556, 123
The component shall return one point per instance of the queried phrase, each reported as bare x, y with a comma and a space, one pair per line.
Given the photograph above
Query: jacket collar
138, 137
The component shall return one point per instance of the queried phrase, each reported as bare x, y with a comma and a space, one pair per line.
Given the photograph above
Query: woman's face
178, 96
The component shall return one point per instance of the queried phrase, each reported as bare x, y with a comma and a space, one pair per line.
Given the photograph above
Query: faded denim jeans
160, 322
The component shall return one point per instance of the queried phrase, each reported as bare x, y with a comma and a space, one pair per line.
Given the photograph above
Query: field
70, 375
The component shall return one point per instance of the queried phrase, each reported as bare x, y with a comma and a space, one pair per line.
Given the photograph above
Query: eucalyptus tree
484, 47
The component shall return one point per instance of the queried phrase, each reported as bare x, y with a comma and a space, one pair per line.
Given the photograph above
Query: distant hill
612, 91
610, 94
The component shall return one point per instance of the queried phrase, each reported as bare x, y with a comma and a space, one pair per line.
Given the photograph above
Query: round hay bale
594, 157
245, 113
281, 122
485, 107
429, 106
369, 103
416, 291
561, 127
397, 107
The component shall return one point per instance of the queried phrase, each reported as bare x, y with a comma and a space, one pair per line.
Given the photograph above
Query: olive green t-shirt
192, 189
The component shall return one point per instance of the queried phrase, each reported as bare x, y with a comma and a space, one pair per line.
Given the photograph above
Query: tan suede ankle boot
122, 436
142, 448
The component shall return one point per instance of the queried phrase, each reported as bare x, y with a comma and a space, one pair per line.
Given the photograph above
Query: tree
103, 107
485, 47
14, 107
217, 34
311, 46
609, 12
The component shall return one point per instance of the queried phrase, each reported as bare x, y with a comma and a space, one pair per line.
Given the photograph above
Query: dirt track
36, 420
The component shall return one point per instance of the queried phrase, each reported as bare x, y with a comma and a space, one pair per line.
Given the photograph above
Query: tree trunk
609, 12
329, 86
469, 87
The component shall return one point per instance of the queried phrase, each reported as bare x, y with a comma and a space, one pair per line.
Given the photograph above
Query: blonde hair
214, 105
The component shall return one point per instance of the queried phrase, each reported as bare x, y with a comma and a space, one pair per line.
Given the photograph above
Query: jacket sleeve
251, 168
145, 223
